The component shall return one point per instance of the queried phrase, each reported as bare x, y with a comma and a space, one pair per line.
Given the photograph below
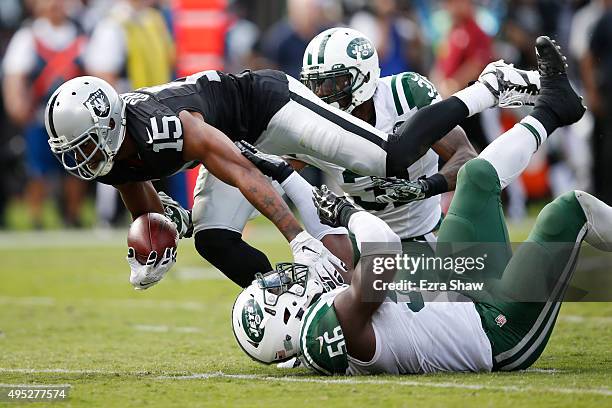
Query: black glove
407, 191
270, 165
399, 190
333, 210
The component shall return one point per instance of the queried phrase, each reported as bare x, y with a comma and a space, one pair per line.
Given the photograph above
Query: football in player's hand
151, 232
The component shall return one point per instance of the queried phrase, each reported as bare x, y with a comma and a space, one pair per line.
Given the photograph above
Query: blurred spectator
43, 54
396, 37
284, 43
11, 142
130, 48
597, 78
241, 39
465, 52
526, 20
582, 28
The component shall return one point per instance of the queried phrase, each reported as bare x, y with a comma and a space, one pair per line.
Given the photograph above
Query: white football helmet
85, 120
334, 54
267, 315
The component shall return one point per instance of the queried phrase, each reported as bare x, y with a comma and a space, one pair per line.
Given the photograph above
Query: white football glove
144, 276
322, 264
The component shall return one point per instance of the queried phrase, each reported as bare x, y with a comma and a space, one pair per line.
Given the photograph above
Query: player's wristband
345, 215
434, 185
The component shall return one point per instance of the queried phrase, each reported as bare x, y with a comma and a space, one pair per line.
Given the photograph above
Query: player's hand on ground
323, 266
177, 214
333, 210
399, 190
144, 276
270, 165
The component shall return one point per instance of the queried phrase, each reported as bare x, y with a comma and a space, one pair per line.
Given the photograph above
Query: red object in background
535, 176
200, 28
535, 180
465, 42
200, 4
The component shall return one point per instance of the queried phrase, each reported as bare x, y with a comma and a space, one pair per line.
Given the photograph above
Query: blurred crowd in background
136, 43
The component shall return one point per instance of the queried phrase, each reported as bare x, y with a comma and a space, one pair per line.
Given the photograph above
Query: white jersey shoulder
396, 99
442, 336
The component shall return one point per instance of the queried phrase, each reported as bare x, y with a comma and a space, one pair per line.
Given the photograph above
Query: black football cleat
556, 93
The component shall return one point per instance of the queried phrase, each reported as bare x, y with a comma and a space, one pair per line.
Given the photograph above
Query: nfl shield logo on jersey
500, 320
98, 101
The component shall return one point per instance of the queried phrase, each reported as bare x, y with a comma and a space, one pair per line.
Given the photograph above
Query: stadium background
67, 311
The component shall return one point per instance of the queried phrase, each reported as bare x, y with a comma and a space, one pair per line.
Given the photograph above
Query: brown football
151, 232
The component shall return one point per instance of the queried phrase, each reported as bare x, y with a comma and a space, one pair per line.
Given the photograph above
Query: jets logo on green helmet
267, 315
341, 66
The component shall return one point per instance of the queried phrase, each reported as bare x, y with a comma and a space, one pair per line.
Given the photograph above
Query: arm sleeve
380, 239
299, 192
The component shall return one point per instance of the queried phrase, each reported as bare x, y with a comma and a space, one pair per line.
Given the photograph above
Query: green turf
65, 303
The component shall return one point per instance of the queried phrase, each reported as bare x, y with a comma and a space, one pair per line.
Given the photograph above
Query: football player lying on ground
152, 133
349, 81
281, 315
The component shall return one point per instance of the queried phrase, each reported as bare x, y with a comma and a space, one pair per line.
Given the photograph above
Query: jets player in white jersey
344, 332
341, 65
354, 85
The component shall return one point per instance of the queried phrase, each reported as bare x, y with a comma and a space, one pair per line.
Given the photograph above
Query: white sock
476, 97
599, 221
510, 153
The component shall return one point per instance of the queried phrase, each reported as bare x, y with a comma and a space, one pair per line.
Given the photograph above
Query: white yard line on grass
70, 371
407, 383
164, 328
35, 385
340, 381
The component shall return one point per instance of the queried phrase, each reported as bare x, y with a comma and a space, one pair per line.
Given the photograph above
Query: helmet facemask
337, 86
267, 315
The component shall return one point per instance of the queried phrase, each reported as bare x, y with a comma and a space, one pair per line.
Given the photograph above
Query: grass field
69, 316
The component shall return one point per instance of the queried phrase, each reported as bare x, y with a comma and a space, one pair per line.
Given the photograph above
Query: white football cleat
599, 221
291, 363
511, 87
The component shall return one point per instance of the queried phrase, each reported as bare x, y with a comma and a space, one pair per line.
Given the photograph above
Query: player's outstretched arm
300, 192
208, 145
223, 159
356, 305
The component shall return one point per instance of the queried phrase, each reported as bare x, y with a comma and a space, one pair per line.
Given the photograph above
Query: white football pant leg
218, 205
309, 126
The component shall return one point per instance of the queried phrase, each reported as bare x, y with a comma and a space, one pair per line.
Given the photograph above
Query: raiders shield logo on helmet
98, 101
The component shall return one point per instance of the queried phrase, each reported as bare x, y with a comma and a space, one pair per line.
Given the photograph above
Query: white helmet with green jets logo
336, 54
267, 315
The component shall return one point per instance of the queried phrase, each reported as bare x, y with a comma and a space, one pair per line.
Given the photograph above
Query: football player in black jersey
126, 140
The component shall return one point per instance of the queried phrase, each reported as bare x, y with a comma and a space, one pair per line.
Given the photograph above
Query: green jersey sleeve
322, 343
412, 91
